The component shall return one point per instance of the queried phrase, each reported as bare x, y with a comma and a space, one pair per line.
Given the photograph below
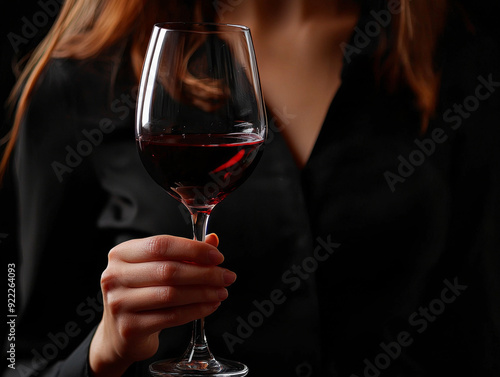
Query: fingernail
215, 237
222, 293
229, 277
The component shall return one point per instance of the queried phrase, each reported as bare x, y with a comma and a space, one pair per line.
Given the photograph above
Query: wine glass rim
174, 26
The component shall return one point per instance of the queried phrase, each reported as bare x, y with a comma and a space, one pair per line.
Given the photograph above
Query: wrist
103, 361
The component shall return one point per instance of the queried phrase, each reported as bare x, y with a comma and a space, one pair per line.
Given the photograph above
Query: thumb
212, 239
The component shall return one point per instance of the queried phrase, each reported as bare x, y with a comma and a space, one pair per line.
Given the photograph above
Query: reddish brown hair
86, 28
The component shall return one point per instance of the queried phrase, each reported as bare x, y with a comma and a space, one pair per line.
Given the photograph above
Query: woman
364, 241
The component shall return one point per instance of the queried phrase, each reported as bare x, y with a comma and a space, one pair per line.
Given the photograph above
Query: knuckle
157, 245
107, 280
167, 271
114, 303
114, 253
126, 328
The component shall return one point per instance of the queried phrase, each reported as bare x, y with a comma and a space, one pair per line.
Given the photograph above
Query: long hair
86, 28
411, 55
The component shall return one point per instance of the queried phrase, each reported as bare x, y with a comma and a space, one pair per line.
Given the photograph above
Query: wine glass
200, 131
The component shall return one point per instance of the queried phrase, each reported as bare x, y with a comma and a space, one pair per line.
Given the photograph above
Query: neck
274, 12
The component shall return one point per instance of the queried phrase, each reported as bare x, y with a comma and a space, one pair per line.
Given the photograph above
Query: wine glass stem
199, 221
198, 349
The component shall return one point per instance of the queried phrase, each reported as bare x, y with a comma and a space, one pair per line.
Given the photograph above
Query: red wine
200, 170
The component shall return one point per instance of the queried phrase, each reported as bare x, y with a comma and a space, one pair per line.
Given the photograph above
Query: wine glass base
218, 368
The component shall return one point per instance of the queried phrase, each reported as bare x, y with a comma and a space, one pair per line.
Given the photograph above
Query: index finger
164, 247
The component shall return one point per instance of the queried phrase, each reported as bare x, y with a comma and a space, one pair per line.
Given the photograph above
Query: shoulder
65, 81
69, 96
76, 92
470, 77
469, 105
51, 104
466, 54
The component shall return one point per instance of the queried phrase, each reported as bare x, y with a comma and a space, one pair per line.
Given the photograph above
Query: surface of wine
200, 169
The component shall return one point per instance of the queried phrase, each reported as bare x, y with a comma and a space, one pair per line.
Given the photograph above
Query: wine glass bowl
200, 131
200, 170
200, 121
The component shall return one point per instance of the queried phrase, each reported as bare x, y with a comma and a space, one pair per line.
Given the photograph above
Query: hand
151, 284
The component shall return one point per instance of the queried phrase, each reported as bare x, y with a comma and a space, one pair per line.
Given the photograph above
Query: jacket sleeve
75, 365
60, 252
